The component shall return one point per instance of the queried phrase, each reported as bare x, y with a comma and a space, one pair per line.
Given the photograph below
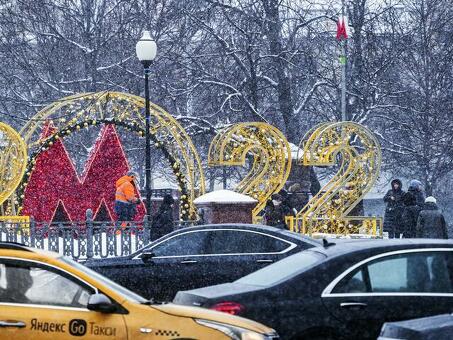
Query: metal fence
81, 240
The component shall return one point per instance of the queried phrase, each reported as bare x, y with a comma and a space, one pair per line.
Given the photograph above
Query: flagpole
343, 69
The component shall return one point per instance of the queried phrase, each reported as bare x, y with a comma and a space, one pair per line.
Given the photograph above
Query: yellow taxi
47, 296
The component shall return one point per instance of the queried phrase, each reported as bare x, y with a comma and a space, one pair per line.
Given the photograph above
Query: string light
75, 127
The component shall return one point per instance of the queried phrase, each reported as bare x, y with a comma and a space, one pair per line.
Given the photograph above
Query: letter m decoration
342, 32
54, 183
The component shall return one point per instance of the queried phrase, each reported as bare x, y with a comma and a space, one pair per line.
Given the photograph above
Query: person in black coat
275, 212
286, 203
162, 221
431, 222
410, 215
416, 189
394, 208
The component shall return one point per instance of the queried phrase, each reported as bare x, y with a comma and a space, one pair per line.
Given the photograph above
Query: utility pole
343, 60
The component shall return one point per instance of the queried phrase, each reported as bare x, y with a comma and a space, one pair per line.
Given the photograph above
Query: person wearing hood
162, 221
410, 215
275, 212
125, 197
394, 208
416, 189
431, 222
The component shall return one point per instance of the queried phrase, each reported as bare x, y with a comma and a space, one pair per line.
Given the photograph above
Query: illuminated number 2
13, 160
271, 158
358, 154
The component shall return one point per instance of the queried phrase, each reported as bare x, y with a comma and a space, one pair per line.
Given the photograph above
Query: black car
340, 291
199, 256
439, 327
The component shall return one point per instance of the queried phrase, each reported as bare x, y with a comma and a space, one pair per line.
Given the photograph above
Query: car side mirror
147, 255
100, 303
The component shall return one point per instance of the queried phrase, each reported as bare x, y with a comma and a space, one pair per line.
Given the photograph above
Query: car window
282, 269
353, 283
191, 243
424, 272
244, 242
25, 283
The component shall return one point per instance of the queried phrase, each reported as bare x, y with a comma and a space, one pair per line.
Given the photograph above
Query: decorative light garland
134, 127
13, 161
359, 168
271, 164
122, 107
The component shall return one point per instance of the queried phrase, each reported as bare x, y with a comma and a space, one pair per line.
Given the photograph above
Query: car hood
211, 294
211, 315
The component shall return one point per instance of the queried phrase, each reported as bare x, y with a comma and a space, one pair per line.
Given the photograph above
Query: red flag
341, 29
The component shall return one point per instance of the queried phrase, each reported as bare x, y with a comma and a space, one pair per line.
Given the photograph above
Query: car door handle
12, 323
188, 261
353, 305
264, 261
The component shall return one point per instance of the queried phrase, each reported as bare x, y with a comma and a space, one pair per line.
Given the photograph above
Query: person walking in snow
416, 189
125, 198
394, 208
431, 222
162, 221
410, 215
274, 214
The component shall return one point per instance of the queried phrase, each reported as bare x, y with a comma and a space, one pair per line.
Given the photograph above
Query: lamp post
146, 49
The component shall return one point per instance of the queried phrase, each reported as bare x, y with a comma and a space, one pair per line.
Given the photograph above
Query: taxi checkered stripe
164, 332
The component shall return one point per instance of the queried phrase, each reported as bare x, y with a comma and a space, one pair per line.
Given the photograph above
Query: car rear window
282, 269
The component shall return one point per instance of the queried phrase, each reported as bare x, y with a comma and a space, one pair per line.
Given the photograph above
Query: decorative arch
72, 113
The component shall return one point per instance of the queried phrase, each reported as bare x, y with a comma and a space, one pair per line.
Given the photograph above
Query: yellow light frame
129, 108
271, 158
360, 162
13, 161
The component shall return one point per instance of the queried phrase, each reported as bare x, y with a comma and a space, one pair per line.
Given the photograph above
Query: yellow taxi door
39, 301
39, 322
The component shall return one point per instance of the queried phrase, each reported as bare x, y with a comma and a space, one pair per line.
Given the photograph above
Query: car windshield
131, 296
282, 269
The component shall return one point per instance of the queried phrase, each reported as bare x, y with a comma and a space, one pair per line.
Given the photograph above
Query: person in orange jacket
125, 198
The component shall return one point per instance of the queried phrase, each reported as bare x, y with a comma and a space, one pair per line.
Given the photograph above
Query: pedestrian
286, 203
125, 198
431, 222
416, 189
162, 221
275, 213
410, 215
394, 208
298, 199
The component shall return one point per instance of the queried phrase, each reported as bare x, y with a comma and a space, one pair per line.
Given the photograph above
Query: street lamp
146, 49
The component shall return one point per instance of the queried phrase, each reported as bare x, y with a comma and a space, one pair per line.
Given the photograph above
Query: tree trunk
273, 27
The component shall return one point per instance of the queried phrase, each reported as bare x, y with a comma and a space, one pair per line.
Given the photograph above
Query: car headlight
237, 333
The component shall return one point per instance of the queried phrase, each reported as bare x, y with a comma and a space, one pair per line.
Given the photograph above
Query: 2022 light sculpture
271, 163
13, 161
349, 144
357, 152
